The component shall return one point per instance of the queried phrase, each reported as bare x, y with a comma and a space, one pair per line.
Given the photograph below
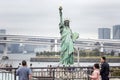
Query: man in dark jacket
104, 72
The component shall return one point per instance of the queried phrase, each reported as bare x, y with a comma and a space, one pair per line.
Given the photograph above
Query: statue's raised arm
60, 12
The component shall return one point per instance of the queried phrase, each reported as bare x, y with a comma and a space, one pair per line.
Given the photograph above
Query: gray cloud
41, 17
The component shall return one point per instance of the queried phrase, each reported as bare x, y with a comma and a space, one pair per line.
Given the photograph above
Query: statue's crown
66, 20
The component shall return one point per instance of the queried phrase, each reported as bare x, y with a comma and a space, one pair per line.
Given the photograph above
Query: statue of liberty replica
67, 40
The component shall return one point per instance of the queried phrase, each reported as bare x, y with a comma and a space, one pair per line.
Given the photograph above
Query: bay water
15, 59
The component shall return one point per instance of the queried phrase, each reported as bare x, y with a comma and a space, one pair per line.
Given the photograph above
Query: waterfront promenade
54, 72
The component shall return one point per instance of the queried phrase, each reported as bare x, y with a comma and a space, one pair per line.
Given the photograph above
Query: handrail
55, 72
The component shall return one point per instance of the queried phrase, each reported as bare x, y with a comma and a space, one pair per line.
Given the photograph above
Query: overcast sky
41, 17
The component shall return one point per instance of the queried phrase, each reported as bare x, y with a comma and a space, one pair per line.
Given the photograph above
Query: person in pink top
96, 73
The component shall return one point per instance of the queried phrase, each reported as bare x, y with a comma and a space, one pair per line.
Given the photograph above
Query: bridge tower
102, 49
100, 46
54, 45
4, 57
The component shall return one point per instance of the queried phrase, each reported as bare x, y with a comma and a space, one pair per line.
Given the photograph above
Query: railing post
15, 75
78, 57
88, 72
53, 74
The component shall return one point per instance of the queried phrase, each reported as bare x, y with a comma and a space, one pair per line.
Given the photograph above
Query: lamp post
78, 57
101, 49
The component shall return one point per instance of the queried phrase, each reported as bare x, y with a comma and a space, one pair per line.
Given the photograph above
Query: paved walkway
115, 79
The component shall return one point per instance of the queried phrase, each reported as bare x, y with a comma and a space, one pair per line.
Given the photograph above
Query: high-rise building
104, 33
116, 32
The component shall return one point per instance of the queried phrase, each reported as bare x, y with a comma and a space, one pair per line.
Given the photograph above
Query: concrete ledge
39, 59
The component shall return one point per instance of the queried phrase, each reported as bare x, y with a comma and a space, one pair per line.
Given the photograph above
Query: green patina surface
67, 40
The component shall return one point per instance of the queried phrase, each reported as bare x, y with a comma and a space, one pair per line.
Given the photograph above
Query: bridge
54, 42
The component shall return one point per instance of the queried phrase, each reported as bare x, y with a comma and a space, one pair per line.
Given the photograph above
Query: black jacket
104, 72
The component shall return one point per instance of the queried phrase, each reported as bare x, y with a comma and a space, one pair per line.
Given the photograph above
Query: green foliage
112, 53
47, 53
119, 54
82, 53
37, 53
94, 52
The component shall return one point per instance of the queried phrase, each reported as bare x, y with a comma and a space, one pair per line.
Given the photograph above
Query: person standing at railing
10, 67
50, 70
6, 65
24, 72
104, 72
19, 65
96, 73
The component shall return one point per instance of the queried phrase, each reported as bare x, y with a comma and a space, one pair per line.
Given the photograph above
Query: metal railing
8, 73
56, 73
61, 73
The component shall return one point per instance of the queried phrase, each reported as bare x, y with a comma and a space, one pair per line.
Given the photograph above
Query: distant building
2, 31
104, 33
116, 32
29, 48
14, 48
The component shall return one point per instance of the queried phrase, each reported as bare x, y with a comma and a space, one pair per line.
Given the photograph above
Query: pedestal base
5, 57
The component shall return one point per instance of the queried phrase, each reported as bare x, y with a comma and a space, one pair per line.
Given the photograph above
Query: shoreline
81, 59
